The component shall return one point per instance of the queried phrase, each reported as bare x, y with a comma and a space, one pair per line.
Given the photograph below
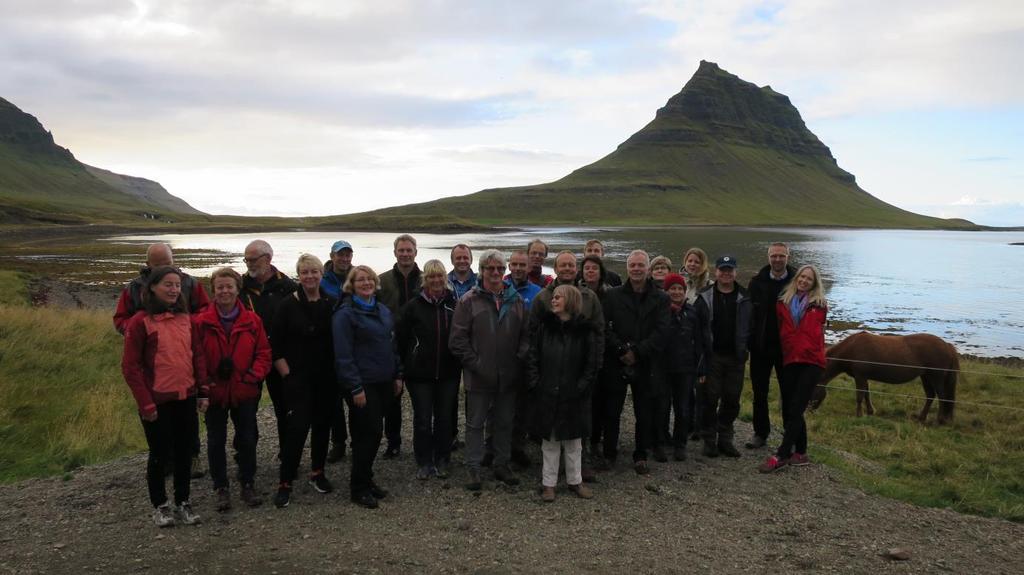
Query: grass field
63, 404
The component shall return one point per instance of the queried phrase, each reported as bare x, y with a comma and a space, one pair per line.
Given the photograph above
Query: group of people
542, 358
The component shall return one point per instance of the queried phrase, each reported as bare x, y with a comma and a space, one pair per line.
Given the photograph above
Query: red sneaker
771, 464
799, 460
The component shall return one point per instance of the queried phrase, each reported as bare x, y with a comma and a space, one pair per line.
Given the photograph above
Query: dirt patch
699, 516
50, 292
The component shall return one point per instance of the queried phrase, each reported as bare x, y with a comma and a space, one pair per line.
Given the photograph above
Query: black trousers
678, 391
720, 397
171, 436
367, 427
797, 385
340, 431
275, 387
644, 412
311, 400
761, 365
432, 403
243, 417
597, 409
393, 423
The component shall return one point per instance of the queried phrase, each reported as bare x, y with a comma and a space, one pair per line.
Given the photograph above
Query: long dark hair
152, 304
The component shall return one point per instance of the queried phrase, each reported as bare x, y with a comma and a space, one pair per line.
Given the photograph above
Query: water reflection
962, 286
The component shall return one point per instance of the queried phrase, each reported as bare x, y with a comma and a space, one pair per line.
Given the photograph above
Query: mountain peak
27, 135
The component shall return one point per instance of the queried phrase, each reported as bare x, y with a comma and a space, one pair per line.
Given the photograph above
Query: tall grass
975, 465
63, 401
13, 291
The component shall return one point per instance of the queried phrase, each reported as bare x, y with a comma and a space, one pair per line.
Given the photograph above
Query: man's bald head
159, 255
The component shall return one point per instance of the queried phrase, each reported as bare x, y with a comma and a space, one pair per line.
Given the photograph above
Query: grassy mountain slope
722, 151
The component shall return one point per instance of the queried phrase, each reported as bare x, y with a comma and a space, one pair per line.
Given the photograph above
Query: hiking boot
183, 513
196, 471
771, 464
520, 458
658, 453
320, 482
377, 491
474, 483
582, 491
250, 497
798, 460
223, 499
726, 448
284, 495
641, 467
505, 475
442, 470
679, 453
163, 516
337, 453
365, 499
709, 449
392, 452
424, 472
755, 442
547, 494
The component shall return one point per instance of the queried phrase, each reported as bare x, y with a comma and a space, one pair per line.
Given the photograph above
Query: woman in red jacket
237, 356
802, 312
163, 365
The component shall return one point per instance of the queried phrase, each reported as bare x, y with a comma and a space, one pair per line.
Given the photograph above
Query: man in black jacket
636, 329
263, 288
765, 350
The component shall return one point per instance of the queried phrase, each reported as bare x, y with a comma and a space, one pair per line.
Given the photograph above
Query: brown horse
895, 359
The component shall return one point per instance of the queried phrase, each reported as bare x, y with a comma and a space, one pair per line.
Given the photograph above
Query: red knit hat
674, 279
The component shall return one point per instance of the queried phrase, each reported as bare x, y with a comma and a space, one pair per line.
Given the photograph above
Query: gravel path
699, 516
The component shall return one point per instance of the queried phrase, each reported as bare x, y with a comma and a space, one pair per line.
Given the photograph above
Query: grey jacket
744, 309
492, 344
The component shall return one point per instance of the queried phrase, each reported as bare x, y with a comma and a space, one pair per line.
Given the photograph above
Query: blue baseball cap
726, 262
340, 245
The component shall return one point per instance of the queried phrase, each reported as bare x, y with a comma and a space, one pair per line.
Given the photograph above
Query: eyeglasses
493, 268
253, 260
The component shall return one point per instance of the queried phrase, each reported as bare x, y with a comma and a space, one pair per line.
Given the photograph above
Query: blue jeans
243, 417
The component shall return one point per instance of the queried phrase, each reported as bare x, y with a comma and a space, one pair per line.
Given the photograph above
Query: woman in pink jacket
164, 366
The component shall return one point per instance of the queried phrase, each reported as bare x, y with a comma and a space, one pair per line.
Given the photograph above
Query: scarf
797, 307
364, 305
227, 320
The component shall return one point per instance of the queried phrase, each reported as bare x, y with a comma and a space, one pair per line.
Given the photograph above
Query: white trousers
552, 451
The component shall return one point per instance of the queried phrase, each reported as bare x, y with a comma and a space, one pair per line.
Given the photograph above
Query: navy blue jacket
364, 351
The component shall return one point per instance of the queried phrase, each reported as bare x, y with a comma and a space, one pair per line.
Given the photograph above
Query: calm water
963, 286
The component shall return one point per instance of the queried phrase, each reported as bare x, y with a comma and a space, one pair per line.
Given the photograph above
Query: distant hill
43, 182
721, 151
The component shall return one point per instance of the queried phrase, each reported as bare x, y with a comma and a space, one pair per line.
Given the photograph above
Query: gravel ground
700, 516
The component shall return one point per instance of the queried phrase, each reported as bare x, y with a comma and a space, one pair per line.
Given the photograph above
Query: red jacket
163, 359
130, 301
804, 343
248, 348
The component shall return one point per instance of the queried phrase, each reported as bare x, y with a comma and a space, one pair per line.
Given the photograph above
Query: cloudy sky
297, 107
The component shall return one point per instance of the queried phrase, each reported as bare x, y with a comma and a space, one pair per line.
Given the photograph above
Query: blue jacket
364, 351
461, 288
527, 291
331, 282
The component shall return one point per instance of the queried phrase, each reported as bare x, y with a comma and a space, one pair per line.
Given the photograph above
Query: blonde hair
309, 261
350, 280
433, 267
700, 279
815, 295
573, 299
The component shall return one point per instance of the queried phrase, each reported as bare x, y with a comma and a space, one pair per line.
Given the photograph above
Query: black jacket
639, 322
421, 332
764, 292
301, 334
684, 351
706, 313
561, 371
264, 298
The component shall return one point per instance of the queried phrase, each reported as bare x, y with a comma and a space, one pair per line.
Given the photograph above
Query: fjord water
963, 286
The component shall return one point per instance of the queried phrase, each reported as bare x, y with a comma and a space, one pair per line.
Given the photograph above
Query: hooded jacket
130, 301
563, 364
163, 359
248, 348
491, 342
421, 333
364, 349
